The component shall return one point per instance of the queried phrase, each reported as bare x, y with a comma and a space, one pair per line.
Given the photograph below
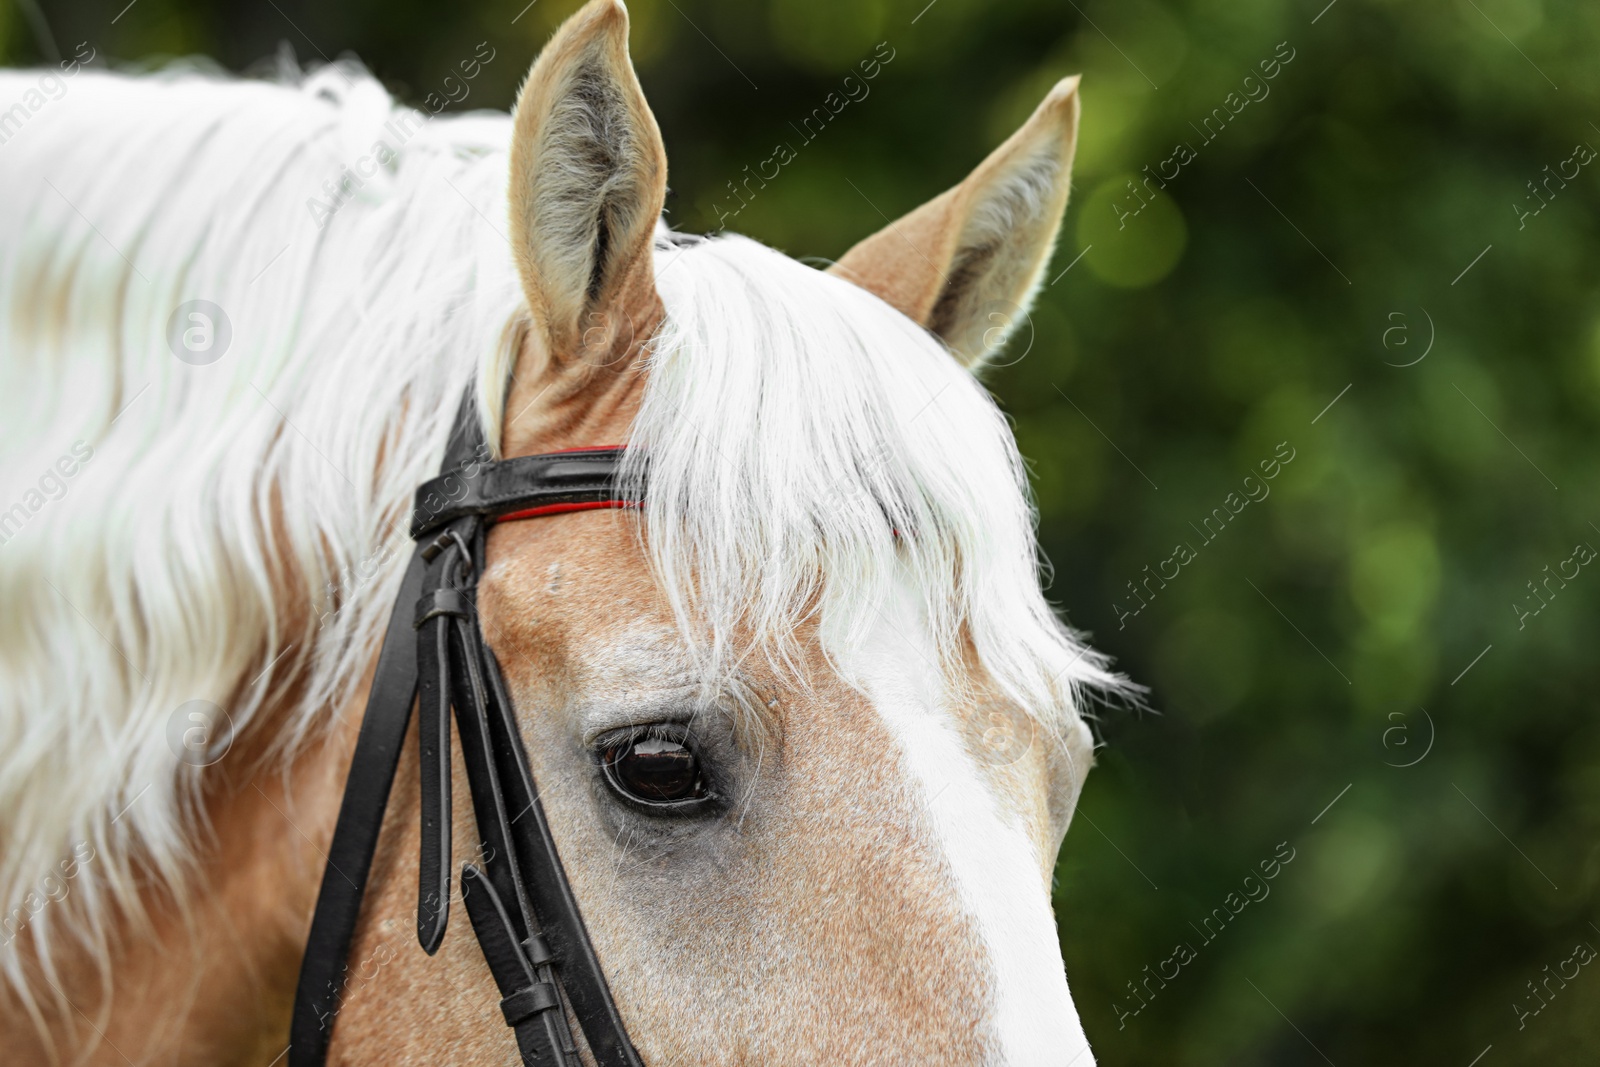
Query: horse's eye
654, 770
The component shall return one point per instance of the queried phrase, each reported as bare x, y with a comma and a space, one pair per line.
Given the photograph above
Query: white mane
792, 422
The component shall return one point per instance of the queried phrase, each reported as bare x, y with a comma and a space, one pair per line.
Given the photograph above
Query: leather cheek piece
434, 655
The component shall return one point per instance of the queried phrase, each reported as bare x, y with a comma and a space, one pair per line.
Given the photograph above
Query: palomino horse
238, 319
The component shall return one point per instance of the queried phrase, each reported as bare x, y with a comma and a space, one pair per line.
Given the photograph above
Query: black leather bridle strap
519, 901
366, 790
438, 608
521, 488
355, 835
520, 862
545, 879
529, 1000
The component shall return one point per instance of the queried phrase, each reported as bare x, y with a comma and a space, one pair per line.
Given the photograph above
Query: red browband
557, 509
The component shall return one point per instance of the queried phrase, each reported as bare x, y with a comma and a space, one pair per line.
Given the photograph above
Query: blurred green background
1360, 227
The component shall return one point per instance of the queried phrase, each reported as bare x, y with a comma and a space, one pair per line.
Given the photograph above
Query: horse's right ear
588, 178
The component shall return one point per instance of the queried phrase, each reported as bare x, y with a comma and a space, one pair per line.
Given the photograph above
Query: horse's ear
588, 178
967, 263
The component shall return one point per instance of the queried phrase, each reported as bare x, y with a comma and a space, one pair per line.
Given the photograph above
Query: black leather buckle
528, 1002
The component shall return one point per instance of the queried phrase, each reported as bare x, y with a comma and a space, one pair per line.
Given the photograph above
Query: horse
239, 317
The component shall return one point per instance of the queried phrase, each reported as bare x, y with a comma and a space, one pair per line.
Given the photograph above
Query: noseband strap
517, 896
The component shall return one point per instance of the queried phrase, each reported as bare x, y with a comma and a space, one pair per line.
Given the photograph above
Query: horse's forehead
580, 599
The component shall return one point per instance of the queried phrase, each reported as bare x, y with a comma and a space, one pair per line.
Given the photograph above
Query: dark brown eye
655, 771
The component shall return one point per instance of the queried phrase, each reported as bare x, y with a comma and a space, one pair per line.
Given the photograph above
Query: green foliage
1365, 209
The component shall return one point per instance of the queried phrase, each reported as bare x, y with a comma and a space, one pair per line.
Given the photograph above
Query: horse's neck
217, 969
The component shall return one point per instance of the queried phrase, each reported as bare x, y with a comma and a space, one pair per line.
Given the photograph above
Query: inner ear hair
985, 269
588, 178
967, 263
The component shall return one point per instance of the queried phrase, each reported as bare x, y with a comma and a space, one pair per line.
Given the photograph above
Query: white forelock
808, 446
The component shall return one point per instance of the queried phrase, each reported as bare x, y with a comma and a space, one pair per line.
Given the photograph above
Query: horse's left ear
588, 178
967, 263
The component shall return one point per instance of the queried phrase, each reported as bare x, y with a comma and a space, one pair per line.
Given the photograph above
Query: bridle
518, 899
